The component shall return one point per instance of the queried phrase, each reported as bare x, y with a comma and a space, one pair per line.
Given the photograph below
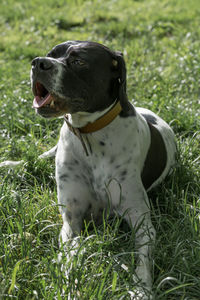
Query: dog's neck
88, 123
81, 119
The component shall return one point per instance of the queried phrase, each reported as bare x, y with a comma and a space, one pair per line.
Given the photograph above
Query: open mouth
42, 96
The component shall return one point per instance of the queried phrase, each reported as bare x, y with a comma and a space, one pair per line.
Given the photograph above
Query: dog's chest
113, 155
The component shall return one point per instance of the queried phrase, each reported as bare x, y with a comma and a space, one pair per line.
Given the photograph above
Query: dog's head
78, 76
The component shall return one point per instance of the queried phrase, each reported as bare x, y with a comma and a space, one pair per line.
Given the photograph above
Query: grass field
160, 40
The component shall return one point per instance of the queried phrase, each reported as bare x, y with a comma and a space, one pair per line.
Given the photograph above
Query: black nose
42, 63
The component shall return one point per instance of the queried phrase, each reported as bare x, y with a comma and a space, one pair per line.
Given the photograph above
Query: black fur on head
79, 76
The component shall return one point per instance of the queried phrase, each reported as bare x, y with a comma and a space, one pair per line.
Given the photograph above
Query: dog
109, 153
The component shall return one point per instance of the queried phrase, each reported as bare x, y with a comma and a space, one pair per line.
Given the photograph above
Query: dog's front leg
134, 205
69, 234
145, 239
74, 200
139, 218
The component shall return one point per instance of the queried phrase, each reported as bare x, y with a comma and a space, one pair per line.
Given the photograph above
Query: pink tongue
39, 102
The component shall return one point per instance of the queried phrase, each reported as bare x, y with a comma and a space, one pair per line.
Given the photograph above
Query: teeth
52, 104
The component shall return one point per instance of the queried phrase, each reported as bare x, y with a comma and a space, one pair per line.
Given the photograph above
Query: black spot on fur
76, 162
68, 166
117, 166
60, 186
102, 143
112, 159
122, 179
64, 177
69, 215
156, 158
123, 173
150, 119
75, 200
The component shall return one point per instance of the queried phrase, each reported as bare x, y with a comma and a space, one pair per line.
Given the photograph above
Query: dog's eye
77, 62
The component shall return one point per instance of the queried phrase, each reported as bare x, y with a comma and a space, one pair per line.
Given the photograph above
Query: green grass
160, 42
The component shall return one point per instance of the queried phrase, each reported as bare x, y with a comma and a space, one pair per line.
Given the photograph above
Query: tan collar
100, 123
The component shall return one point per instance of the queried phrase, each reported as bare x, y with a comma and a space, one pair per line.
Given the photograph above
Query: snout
42, 64
44, 75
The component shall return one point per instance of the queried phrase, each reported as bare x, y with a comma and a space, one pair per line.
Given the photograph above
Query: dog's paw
11, 163
143, 289
50, 153
140, 294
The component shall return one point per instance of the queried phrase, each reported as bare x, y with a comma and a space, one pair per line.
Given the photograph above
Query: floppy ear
120, 67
